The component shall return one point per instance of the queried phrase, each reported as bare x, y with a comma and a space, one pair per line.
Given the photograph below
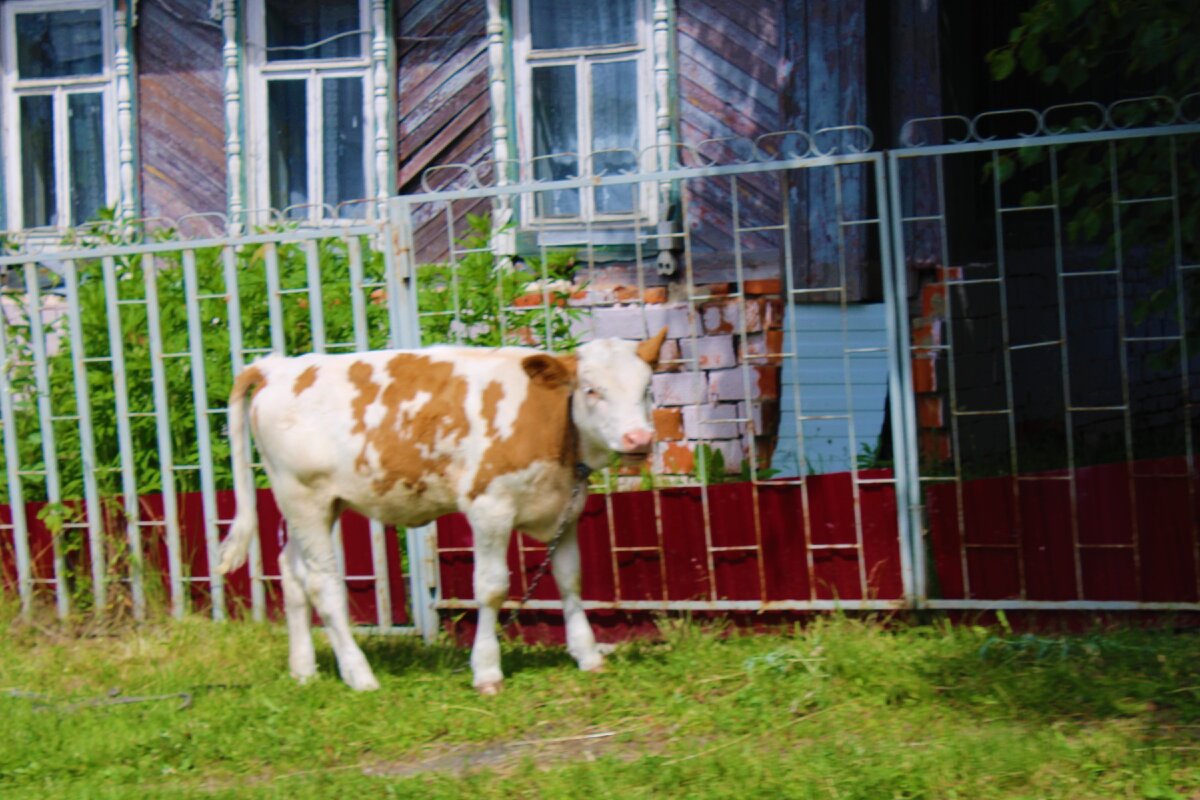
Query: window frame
646, 203
59, 90
260, 72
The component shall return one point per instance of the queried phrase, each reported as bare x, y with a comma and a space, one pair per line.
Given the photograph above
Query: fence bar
274, 299
87, 444
1185, 389
37, 340
358, 308
1123, 358
129, 490
847, 384
162, 424
901, 404
316, 298
208, 491
233, 308
12, 460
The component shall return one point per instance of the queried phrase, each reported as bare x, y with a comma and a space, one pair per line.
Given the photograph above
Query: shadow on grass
1150, 675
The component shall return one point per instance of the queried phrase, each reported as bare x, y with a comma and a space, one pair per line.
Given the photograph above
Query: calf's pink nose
637, 439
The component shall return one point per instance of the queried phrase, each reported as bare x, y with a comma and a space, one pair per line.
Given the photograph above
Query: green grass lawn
843, 708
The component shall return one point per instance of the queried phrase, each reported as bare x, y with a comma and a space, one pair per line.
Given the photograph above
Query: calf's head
611, 402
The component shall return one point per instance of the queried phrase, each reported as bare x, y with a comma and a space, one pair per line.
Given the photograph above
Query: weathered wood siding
825, 49
444, 107
729, 88
181, 113
755, 68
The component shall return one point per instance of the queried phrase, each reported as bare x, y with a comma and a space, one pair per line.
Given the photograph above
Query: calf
407, 436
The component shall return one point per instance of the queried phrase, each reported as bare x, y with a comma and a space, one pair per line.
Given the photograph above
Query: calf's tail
245, 522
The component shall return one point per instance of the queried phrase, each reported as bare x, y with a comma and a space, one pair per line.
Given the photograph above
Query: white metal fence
120, 344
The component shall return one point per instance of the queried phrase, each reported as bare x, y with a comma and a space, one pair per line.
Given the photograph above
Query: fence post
902, 408
406, 333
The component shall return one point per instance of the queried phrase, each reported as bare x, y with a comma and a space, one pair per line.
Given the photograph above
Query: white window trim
259, 71
646, 204
14, 88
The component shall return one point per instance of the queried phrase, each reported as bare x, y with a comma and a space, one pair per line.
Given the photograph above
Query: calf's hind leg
315, 569
302, 660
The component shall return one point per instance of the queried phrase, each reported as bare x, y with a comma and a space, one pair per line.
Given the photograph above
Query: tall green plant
474, 300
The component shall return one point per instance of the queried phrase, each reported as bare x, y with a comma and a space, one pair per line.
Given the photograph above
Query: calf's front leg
581, 642
491, 533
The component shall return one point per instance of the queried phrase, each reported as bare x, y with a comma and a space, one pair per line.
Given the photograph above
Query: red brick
930, 412
933, 300
924, 374
625, 294
716, 289
668, 424
763, 286
655, 295
768, 382
678, 459
528, 300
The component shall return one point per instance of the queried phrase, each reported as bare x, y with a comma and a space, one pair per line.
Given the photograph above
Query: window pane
614, 129
38, 194
555, 134
342, 156
86, 127
294, 26
60, 44
287, 140
581, 23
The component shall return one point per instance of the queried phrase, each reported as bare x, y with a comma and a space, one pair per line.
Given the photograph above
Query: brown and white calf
407, 436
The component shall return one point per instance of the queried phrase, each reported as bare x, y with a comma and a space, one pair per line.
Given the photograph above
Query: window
60, 144
309, 107
585, 104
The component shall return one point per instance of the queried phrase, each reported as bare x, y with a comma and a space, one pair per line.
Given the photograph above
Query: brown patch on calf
542, 431
359, 375
404, 439
305, 380
493, 393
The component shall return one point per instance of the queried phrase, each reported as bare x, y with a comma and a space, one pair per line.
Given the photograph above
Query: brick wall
928, 324
701, 392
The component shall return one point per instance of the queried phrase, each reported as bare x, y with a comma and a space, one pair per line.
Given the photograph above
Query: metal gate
952, 375
1052, 403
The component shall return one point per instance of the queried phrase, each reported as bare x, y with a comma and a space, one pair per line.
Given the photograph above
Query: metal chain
581, 475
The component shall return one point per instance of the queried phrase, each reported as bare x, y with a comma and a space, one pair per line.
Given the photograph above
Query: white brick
619, 322
713, 352
675, 316
583, 327
704, 422
733, 451
728, 384
754, 412
679, 388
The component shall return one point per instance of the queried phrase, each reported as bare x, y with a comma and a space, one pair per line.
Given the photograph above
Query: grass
842, 708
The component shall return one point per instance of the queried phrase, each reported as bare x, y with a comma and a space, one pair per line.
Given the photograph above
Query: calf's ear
550, 371
648, 350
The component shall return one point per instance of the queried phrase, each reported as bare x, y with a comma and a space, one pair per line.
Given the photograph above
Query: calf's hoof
361, 683
303, 678
489, 688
